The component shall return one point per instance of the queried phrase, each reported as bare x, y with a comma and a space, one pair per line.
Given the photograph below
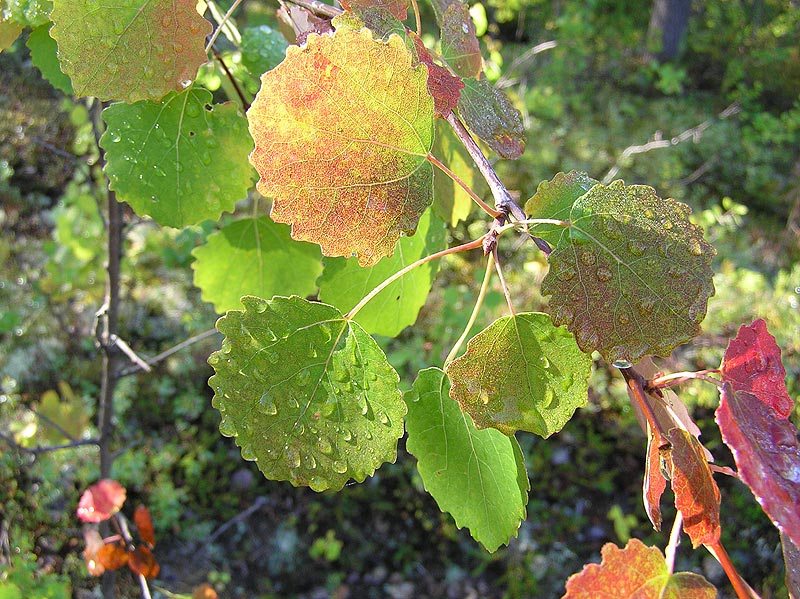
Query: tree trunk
668, 22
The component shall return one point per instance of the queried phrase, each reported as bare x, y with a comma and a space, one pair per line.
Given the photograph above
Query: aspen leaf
477, 476
752, 362
130, 50
654, 483
44, 56
308, 395
101, 501
521, 373
636, 572
112, 556
398, 8
632, 276
554, 199
144, 524
180, 161
9, 32
490, 115
350, 176
442, 85
142, 561
263, 48
460, 47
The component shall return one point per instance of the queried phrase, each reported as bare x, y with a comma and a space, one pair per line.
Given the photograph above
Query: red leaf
791, 557
767, 455
93, 544
635, 572
654, 483
101, 501
442, 85
696, 494
112, 556
144, 524
143, 562
752, 363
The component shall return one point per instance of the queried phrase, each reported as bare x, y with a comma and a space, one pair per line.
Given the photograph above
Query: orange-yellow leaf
204, 591
342, 128
654, 483
143, 562
144, 524
112, 556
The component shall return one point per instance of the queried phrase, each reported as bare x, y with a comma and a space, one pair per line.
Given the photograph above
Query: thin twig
505, 80
674, 539
475, 309
318, 8
40, 449
240, 517
676, 378
221, 23
172, 350
417, 19
232, 79
126, 349
636, 383
503, 283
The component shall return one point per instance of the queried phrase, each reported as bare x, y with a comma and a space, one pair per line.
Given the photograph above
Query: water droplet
384, 418
330, 405
621, 363
213, 359
566, 381
548, 398
484, 397
227, 428
292, 457
248, 453
374, 377
192, 109
185, 83
159, 171
205, 158
544, 362
354, 359
312, 351
347, 435
324, 446
648, 213
636, 247
363, 406
309, 461
604, 274
588, 258
266, 405
339, 466
667, 224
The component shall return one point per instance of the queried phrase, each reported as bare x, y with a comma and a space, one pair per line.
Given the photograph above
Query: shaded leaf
65, 409
632, 276
308, 395
344, 283
254, 257
9, 32
144, 524
521, 373
101, 501
654, 483
130, 50
303, 22
474, 475
398, 8
696, 493
180, 161
450, 202
442, 85
767, 455
554, 199
752, 363
263, 48
460, 47
350, 176
142, 561
112, 556
490, 115
44, 56
636, 572
93, 544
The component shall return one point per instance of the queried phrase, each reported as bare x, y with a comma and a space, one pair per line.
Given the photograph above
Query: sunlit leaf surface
554, 199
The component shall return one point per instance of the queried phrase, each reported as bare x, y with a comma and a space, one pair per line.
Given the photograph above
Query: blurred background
700, 100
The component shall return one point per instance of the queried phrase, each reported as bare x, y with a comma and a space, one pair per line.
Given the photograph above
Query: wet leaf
101, 501
254, 257
142, 561
521, 373
554, 199
44, 57
130, 50
350, 176
344, 283
263, 48
112, 556
460, 47
636, 572
179, 161
308, 395
442, 85
696, 494
632, 276
144, 524
767, 454
490, 115
26, 13
477, 476
451, 203
398, 8
752, 363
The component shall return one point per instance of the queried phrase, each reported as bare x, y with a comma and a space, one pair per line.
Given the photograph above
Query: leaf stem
636, 384
502, 199
503, 283
674, 539
417, 19
232, 79
471, 245
669, 380
743, 590
475, 309
475, 197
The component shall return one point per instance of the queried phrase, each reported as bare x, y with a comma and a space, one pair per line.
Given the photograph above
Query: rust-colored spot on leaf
101, 501
342, 130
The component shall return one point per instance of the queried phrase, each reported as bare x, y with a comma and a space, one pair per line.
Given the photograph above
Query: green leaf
263, 48
254, 257
450, 202
554, 199
131, 49
490, 115
344, 283
521, 373
632, 276
477, 476
308, 395
44, 55
26, 13
460, 47
179, 161
352, 176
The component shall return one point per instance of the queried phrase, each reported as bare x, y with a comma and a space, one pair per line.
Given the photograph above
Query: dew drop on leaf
227, 428
362, 404
309, 461
339, 466
273, 357
621, 364
266, 405
292, 457
544, 362
248, 453
324, 446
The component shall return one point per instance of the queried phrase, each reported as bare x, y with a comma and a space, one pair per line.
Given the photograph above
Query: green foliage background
583, 103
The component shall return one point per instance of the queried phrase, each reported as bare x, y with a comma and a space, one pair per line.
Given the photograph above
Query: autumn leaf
131, 49
460, 47
142, 561
654, 483
554, 199
101, 501
351, 176
112, 556
696, 493
443, 86
635, 572
398, 8
752, 363
144, 524
489, 114
767, 455
204, 591
93, 544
